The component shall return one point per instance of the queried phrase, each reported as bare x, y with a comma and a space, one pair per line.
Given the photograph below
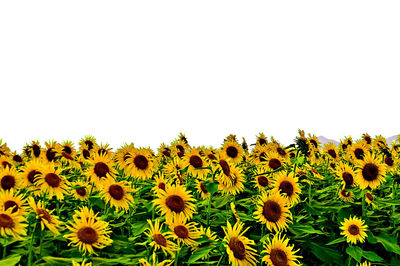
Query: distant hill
324, 140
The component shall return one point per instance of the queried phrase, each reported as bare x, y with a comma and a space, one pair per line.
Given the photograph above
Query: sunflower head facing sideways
45, 216
238, 247
346, 174
278, 252
371, 172
332, 152
160, 240
354, 230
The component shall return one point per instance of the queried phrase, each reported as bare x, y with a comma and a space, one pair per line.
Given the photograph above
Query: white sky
142, 71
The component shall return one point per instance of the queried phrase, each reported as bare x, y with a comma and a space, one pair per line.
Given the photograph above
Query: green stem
363, 205
295, 164
309, 195
176, 258
209, 210
393, 197
40, 243
31, 246
5, 248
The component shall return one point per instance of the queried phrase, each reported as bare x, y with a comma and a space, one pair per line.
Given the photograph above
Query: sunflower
173, 169
88, 141
379, 142
233, 151
273, 160
210, 155
202, 190
179, 148
164, 151
101, 168
35, 149
234, 184
67, 147
370, 172
315, 144
183, 231
30, 172
5, 162
346, 195
16, 158
390, 161
122, 155
279, 252
239, 247
117, 194
261, 139
52, 182
280, 150
173, 201
369, 198
195, 164
145, 262
160, 240
367, 138
346, 173
258, 155
273, 211
354, 230
331, 150
10, 200
88, 233
262, 182
12, 224
10, 179
161, 182
74, 263
141, 164
287, 185
84, 154
45, 216
223, 168
358, 151
79, 190
50, 154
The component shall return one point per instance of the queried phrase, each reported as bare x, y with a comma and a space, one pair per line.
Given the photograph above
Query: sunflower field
238, 204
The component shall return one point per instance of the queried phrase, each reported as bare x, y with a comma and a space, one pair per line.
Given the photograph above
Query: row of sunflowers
240, 204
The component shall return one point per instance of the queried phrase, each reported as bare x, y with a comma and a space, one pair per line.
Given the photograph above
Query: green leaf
325, 254
59, 261
11, 260
300, 229
200, 253
372, 256
388, 242
355, 252
339, 240
211, 187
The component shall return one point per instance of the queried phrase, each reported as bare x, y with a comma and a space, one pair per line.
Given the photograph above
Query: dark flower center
67, 156
181, 231
203, 188
314, 143
44, 214
166, 153
180, 148
86, 154
286, 187
6, 164
36, 150
389, 160
281, 151
88, 235
225, 167
354, 230
274, 163
6, 221
369, 196
116, 191
81, 191
160, 239
141, 162
344, 193
211, 156
196, 161
232, 152
101, 169
368, 139
161, 186
175, 203
32, 174
278, 257
67, 149
348, 178
7, 182
89, 144
272, 211
359, 153
370, 172
237, 247
262, 141
52, 179
262, 181
17, 158
50, 154
262, 157
11, 204
332, 153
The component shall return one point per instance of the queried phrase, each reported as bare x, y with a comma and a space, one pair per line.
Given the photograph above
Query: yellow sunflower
160, 240
331, 150
279, 252
239, 247
74, 263
369, 198
315, 144
258, 155
30, 172
5, 162
173, 201
101, 168
16, 158
346, 174
122, 155
234, 184
88, 233
12, 224
261, 139
88, 141
261, 179
164, 151
179, 148
371, 173
195, 164
287, 185
79, 190
367, 138
233, 151
10, 200
173, 169
390, 161
50, 154
354, 230
117, 194
273, 211
46, 218
161, 182
183, 231
202, 190
346, 195
141, 164
10, 179
358, 151
35, 149
273, 160
145, 262
52, 182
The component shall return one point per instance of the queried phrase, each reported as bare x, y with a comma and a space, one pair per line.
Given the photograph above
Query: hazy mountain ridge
325, 140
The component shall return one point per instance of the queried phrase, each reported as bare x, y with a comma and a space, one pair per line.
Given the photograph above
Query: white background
141, 72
